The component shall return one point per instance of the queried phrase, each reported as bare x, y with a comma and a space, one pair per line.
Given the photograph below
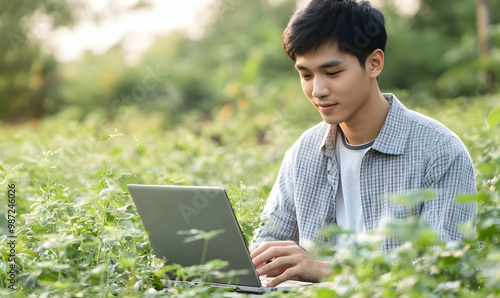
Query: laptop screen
172, 214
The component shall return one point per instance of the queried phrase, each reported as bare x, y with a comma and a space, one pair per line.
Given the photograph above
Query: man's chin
331, 121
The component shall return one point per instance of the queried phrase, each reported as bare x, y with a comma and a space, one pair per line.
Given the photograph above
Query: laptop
170, 215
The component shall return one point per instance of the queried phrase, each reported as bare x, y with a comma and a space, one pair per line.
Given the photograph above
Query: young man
369, 146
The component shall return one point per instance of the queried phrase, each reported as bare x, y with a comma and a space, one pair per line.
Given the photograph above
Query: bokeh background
206, 57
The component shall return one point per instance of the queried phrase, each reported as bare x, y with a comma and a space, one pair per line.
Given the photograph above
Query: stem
204, 253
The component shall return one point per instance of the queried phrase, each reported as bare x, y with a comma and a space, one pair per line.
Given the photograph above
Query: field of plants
79, 235
220, 109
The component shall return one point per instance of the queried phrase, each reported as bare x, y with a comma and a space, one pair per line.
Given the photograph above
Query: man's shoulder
423, 125
428, 124
406, 129
417, 122
436, 135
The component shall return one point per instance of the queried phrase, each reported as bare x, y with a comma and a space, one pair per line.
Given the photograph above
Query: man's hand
286, 260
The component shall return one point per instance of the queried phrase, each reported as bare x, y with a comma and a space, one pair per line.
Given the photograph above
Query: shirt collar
394, 132
327, 145
392, 136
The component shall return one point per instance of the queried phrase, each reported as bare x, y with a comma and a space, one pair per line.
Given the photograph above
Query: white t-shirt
349, 211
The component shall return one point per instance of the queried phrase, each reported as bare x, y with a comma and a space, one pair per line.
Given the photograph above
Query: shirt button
329, 172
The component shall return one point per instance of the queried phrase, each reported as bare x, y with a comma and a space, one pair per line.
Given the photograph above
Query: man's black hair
357, 28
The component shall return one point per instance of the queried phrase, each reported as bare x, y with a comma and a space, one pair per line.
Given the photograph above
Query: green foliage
221, 111
80, 235
435, 53
78, 231
494, 117
29, 78
238, 62
178, 75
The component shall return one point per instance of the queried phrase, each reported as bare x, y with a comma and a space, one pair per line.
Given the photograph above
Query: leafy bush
78, 233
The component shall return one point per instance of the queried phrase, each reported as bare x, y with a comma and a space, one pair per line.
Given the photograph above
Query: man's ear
375, 63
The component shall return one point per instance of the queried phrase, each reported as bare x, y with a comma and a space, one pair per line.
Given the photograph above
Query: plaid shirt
411, 152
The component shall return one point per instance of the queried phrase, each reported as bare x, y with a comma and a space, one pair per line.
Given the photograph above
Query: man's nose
320, 88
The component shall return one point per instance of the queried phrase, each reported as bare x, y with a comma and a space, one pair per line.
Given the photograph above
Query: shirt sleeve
279, 222
450, 171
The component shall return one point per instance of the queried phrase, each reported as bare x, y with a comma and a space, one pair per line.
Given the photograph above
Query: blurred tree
435, 51
238, 64
483, 22
29, 75
238, 54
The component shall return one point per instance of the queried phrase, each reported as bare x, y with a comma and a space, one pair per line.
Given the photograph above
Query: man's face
335, 83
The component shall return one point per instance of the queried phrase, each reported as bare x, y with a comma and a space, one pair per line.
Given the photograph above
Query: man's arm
451, 172
275, 251
279, 221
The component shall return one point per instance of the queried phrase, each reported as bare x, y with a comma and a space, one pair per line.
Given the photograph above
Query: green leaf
29, 280
325, 293
467, 198
415, 230
127, 178
144, 247
413, 197
494, 117
3, 224
193, 238
199, 234
3, 173
118, 133
128, 209
109, 218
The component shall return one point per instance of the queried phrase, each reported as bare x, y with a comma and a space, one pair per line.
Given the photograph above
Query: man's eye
306, 77
331, 74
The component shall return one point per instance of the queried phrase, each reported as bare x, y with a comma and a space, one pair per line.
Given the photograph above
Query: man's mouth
326, 107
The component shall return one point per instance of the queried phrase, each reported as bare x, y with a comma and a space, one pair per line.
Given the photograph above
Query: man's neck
368, 122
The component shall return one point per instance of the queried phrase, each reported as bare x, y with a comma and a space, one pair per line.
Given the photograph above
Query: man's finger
280, 262
266, 245
286, 275
270, 254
